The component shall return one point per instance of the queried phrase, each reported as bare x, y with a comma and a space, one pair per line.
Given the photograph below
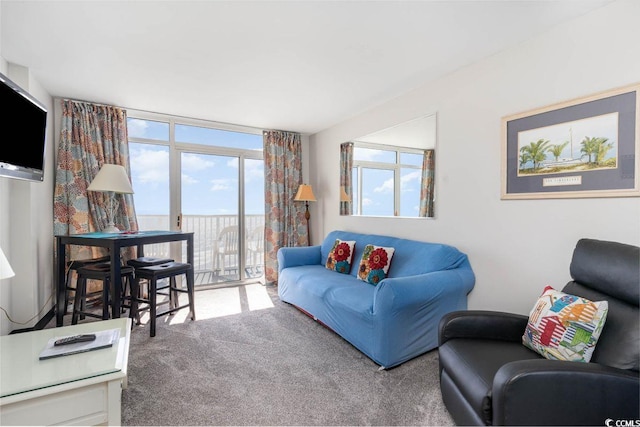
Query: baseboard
40, 325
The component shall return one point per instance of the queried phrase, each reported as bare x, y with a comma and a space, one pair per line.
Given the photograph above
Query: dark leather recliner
488, 377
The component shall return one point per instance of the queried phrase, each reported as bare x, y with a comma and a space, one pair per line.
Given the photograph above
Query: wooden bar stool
147, 261
74, 265
154, 273
100, 272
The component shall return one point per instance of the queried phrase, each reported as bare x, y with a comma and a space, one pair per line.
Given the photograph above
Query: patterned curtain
427, 186
90, 136
285, 222
346, 166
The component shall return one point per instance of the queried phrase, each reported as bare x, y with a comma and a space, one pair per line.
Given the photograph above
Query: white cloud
137, 128
411, 176
366, 202
152, 166
188, 179
254, 170
386, 187
194, 162
222, 184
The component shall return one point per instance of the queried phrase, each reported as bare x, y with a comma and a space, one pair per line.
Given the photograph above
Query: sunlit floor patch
220, 302
257, 297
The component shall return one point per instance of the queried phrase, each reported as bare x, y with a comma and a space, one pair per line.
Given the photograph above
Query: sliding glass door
206, 180
209, 187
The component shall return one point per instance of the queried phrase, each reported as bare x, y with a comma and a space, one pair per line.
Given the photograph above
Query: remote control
74, 339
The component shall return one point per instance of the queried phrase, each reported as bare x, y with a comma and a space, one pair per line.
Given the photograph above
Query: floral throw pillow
565, 327
340, 256
375, 263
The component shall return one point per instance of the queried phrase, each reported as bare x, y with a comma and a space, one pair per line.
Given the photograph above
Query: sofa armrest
482, 324
422, 291
571, 393
299, 255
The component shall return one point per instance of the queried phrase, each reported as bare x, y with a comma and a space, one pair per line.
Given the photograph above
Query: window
386, 180
203, 177
218, 137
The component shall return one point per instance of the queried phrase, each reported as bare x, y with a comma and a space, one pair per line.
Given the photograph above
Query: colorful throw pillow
340, 256
375, 263
565, 327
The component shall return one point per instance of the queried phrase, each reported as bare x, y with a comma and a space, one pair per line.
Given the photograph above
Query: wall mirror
390, 172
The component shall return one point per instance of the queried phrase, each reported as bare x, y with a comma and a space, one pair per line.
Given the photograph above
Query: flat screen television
24, 124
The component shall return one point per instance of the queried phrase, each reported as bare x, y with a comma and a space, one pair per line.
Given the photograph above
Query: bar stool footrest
173, 310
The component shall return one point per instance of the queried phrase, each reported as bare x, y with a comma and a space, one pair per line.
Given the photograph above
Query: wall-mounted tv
24, 124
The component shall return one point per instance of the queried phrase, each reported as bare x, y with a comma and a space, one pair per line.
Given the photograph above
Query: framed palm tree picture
586, 147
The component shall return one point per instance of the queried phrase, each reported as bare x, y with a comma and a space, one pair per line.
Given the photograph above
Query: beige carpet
250, 359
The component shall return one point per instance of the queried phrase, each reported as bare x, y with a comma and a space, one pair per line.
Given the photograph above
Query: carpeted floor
250, 359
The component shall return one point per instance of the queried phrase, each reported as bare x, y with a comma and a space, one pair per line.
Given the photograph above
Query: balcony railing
210, 265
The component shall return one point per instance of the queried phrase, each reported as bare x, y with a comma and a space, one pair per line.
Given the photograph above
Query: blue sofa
392, 322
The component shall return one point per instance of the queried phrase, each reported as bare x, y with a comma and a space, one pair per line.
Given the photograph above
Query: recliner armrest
482, 324
571, 393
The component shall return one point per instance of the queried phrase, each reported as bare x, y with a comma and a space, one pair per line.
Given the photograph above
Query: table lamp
111, 179
5, 268
344, 197
305, 194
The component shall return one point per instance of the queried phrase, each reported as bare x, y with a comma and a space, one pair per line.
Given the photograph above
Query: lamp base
110, 228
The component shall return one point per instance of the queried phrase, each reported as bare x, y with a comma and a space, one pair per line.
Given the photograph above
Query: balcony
216, 261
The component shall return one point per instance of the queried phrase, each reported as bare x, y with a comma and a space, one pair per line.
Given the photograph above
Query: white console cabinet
77, 389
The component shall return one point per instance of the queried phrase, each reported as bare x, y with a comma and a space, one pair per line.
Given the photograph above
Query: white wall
516, 247
26, 228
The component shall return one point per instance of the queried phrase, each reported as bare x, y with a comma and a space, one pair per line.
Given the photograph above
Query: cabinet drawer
82, 406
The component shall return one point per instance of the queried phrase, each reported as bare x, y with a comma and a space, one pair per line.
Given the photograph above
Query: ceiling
301, 66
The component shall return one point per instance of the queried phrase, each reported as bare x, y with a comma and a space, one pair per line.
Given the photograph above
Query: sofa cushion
565, 327
341, 256
317, 280
375, 263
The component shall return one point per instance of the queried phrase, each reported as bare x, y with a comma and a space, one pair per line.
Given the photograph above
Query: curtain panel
346, 166
285, 222
90, 136
427, 187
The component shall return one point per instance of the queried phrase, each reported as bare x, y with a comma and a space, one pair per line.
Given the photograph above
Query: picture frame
585, 147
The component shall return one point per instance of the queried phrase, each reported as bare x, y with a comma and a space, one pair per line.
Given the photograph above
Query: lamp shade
305, 194
111, 178
344, 197
5, 268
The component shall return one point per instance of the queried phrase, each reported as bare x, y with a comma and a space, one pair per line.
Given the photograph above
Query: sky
378, 184
209, 182
576, 131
